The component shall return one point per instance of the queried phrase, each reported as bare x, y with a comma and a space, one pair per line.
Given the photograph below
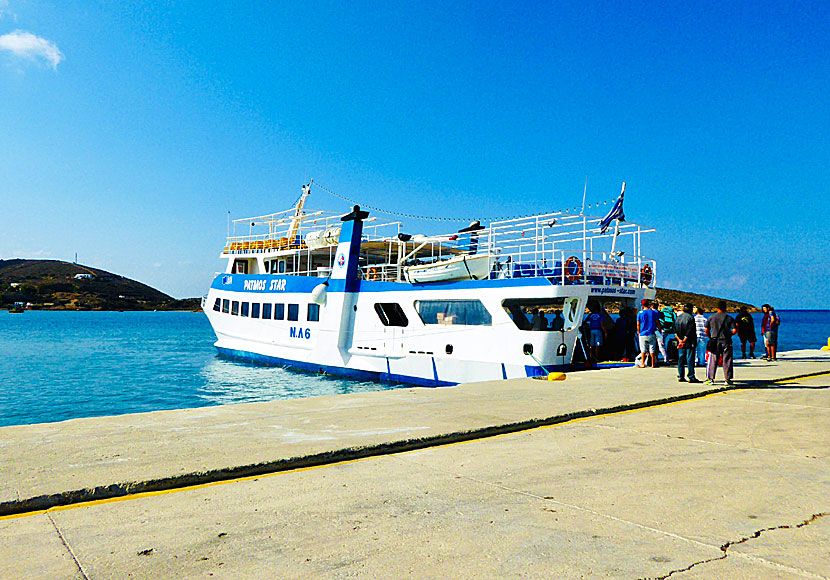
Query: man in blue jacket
647, 331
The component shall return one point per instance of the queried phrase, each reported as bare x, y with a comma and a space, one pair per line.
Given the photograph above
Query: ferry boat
356, 296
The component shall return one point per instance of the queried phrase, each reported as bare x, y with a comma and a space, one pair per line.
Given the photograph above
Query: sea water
64, 365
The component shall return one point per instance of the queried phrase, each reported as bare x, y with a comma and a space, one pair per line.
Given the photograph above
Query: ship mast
295, 221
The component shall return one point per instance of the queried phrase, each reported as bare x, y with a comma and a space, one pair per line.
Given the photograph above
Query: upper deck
564, 247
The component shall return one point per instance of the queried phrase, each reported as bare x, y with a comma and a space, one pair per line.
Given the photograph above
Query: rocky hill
56, 285
709, 303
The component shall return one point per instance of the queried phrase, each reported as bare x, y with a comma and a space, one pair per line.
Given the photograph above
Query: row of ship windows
266, 310
527, 314
446, 312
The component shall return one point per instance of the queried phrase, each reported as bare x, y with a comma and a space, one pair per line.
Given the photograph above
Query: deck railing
279, 229
565, 248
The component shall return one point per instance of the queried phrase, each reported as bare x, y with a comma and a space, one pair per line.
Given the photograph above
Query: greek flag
616, 213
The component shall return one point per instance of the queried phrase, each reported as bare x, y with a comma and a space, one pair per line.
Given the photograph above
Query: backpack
666, 320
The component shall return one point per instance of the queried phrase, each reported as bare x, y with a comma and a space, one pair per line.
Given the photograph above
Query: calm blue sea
63, 365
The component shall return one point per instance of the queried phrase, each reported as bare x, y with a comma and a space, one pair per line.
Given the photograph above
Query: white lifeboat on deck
464, 267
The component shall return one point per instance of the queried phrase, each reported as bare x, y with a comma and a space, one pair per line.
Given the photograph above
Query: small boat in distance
354, 295
18, 308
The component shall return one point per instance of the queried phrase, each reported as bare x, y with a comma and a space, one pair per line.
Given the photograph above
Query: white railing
565, 248
280, 226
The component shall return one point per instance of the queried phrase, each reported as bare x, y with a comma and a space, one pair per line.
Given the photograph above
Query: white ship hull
291, 297
426, 354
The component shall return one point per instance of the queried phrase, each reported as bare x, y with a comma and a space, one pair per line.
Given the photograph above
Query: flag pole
616, 230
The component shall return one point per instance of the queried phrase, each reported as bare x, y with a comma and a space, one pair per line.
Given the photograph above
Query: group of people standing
702, 340
615, 339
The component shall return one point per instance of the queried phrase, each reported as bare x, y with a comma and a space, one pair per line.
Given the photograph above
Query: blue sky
128, 132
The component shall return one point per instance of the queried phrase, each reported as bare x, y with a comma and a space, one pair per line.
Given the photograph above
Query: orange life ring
646, 274
573, 269
372, 275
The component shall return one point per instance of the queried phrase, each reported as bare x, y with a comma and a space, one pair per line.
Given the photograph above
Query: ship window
255, 310
537, 313
276, 266
266, 311
217, 305
226, 304
293, 312
235, 308
313, 312
391, 314
455, 312
279, 311
246, 308
240, 267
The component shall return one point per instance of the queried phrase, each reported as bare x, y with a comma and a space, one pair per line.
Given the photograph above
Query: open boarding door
573, 311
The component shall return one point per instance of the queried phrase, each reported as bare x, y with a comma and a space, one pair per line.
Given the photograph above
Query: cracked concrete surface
725, 548
721, 487
67, 546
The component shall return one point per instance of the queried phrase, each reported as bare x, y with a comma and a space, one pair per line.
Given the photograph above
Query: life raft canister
573, 269
646, 274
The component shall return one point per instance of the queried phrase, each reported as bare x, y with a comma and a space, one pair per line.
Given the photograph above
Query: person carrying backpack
665, 329
686, 332
719, 328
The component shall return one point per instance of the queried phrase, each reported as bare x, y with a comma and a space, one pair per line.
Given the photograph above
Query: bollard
556, 376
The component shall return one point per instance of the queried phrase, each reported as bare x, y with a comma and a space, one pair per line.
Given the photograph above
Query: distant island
57, 285
708, 303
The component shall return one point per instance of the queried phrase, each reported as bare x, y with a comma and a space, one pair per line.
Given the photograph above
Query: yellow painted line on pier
588, 418
148, 494
798, 379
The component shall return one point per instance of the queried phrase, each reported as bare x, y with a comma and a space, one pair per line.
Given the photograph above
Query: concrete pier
620, 473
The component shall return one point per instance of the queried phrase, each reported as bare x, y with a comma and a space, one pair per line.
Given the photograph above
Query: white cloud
30, 254
26, 45
734, 282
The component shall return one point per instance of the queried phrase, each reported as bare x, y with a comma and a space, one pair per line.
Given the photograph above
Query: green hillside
56, 285
709, 303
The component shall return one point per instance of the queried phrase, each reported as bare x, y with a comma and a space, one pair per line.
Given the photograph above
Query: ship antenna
584, 191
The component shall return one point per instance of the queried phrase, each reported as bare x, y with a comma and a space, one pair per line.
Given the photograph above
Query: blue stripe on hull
282, 283
261, 359
537, 371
